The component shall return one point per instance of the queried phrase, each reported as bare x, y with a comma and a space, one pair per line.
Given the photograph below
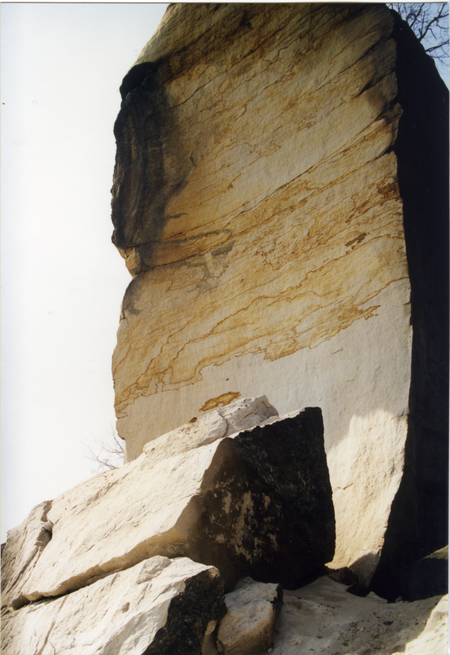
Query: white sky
62, 279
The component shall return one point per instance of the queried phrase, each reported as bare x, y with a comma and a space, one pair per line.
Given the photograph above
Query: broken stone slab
257, 503
27, 541
223, 422
253, 610
160, 607
23, 548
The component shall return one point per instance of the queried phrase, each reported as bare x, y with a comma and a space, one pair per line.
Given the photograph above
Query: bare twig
108, 454
429, 22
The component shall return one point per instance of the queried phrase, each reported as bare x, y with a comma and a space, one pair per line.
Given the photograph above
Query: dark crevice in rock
419, 518
46, 532
366, 87
128, 302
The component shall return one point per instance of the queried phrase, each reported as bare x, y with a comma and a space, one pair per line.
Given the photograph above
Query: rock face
256, 503
23, 549
158, 607
434, 638
253, 609
239, 415
238, 487
280, 197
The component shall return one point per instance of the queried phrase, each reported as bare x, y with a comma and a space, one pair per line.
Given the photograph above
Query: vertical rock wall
259, 204
418, 523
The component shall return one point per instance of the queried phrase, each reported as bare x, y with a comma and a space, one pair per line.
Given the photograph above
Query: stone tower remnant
280, 199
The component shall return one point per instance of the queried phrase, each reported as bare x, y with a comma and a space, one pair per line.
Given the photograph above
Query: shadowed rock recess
280, 198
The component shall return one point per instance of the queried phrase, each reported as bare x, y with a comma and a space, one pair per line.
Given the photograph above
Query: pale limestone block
23, 547
233, 503
239, 415
160, 606
252, 612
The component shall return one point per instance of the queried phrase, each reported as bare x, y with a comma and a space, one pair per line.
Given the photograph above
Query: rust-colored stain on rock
221, 401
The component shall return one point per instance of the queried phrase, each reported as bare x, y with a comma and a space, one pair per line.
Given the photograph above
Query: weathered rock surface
257, 503
252, 612
433, 639
160, 607
280, 196
281, 199
23, 549
324, 619
239, 415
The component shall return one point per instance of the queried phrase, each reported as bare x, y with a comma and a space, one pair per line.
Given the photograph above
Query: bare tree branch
429, 22
108, 454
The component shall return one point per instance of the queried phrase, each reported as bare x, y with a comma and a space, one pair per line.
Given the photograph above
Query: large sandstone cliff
280, 199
